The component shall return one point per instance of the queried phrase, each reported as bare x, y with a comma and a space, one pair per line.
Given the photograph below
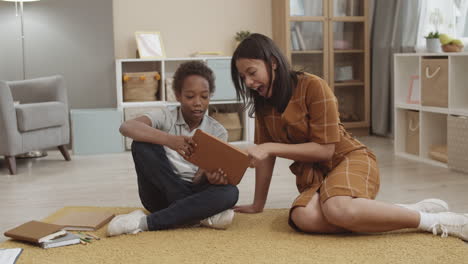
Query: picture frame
414, 91
344, 73
150, 45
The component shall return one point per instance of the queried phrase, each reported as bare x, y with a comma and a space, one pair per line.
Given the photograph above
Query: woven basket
457, 143
140, 86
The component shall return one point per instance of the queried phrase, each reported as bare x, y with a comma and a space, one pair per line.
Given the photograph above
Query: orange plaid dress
312, 116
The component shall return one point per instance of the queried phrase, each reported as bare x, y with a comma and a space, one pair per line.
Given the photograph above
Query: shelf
407, 155
435, 163
418, 159
408, 106
223, 98
143, 104
307, 19
348, 19
345, 84
330, 39
459, 111
431, 109
307, 52
211, 103
349, 51
433, 132
357, 124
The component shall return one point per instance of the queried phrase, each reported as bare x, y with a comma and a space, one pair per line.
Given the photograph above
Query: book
9, 255
294, 40
35, 232
300, 39
84, 221
68, 239
212, 153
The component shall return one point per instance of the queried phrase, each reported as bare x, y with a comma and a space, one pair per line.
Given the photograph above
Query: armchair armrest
39, 90
8, 122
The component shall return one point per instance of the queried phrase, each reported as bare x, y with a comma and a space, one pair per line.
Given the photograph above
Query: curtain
394, 30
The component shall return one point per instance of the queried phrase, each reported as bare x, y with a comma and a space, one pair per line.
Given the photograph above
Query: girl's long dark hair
260, 47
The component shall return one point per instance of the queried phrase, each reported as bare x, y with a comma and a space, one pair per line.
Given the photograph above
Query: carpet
258, 238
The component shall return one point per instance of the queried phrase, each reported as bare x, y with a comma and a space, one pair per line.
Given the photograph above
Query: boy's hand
217, 177
200, 176
183, 145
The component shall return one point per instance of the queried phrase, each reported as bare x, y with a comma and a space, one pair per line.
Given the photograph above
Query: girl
171, 188
296, 117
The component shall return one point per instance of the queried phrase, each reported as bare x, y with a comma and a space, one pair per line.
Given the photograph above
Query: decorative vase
433, 45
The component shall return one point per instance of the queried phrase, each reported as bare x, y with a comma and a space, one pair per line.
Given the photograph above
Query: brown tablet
212, 153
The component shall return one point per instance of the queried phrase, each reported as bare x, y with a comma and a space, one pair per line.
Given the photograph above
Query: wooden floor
44, 185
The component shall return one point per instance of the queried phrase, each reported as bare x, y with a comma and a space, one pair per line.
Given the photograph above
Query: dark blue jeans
172, 201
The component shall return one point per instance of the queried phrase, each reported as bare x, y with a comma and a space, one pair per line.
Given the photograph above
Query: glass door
308, 36
348, 74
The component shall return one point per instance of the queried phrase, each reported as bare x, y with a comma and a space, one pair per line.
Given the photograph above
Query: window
449, 17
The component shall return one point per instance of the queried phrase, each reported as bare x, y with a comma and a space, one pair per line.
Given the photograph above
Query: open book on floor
84, 220
212, 153
68, 239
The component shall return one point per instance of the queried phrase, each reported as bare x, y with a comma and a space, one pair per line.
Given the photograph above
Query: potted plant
432, 42
432, 39
241, 35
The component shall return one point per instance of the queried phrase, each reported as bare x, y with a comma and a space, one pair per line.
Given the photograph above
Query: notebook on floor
9, 255
35, 232
212, 153
84, 221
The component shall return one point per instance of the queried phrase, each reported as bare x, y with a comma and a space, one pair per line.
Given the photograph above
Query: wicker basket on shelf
140, 86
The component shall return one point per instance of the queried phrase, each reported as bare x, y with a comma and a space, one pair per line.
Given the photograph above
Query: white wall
188, 26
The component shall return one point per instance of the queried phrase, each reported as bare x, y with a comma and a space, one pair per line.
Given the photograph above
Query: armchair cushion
40, 115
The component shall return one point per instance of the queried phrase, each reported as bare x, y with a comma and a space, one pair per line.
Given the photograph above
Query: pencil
93, 236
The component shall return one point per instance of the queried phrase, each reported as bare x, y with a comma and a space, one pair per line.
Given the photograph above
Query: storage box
140, 86
458, 143
231, 121
434, 82
96, 131
412, 132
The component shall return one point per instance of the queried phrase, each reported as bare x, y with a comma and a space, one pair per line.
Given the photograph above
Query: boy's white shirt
172, 122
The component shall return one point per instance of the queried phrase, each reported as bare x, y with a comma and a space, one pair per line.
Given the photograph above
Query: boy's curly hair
193, 68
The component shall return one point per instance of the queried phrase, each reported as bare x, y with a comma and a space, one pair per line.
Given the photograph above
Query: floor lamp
36, 153
21, 15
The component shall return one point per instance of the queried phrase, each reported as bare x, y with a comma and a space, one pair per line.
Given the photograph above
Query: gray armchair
40, 121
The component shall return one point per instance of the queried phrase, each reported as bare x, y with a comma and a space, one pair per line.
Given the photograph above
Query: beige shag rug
258, 238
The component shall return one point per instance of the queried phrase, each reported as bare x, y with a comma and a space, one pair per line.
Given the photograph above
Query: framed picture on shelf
414, 90
149, 45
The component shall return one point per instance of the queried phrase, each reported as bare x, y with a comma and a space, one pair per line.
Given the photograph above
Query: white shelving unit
224, 96
432, 120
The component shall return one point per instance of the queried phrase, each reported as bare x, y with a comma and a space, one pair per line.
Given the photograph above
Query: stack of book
43, 234
50, 235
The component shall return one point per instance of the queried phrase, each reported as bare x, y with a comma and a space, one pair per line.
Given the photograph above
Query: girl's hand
217, 177
182, 144
258, 154
248, 209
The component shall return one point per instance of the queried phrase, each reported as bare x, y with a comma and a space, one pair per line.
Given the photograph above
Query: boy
174, 191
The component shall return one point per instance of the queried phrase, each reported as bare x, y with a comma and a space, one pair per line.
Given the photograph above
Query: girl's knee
306, 220
339, 211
